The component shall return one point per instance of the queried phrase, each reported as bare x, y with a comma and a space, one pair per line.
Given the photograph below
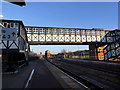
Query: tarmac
45, 76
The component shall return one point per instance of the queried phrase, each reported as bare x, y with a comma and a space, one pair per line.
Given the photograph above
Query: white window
16, 25
5, 24
12, 25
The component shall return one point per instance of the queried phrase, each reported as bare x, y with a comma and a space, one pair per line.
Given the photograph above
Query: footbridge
52, 35
97, 39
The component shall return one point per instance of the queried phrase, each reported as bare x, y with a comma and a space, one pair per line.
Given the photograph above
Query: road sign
8, 34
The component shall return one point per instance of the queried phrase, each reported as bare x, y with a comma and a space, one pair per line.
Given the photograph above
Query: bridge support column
93, 52
96, 53
100, 53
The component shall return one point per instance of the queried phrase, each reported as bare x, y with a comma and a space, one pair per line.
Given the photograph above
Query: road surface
45, 76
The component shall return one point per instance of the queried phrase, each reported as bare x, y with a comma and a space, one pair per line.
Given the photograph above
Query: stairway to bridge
112, 50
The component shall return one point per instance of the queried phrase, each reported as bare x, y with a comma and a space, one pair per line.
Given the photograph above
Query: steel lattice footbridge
52, 35
65, 36
95, 38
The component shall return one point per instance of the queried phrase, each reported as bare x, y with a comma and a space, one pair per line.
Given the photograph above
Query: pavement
45, 76
16, 80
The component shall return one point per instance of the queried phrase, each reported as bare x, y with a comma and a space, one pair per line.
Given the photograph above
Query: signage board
8, 34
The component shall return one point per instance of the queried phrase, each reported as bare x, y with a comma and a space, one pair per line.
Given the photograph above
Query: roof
4, 20
65, 28
17, 2
15, 21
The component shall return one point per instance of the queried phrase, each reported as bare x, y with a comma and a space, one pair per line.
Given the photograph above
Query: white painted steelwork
40, 35
112, 50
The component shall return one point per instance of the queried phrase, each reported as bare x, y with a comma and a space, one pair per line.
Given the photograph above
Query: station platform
45, 75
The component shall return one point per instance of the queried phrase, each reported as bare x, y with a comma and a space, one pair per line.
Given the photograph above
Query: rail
89, 84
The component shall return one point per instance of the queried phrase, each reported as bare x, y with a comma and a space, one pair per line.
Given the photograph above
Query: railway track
95, 67
87, 82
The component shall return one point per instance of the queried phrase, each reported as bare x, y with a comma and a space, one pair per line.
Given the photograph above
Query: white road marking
28, 81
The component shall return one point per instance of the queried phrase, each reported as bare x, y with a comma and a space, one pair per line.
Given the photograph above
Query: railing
113, 50
48, 34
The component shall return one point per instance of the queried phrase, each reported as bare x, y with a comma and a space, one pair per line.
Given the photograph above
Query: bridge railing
67, 35
112, 50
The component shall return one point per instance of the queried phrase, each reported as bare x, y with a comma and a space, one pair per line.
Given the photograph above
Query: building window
5, 24
16, 25
12, 25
